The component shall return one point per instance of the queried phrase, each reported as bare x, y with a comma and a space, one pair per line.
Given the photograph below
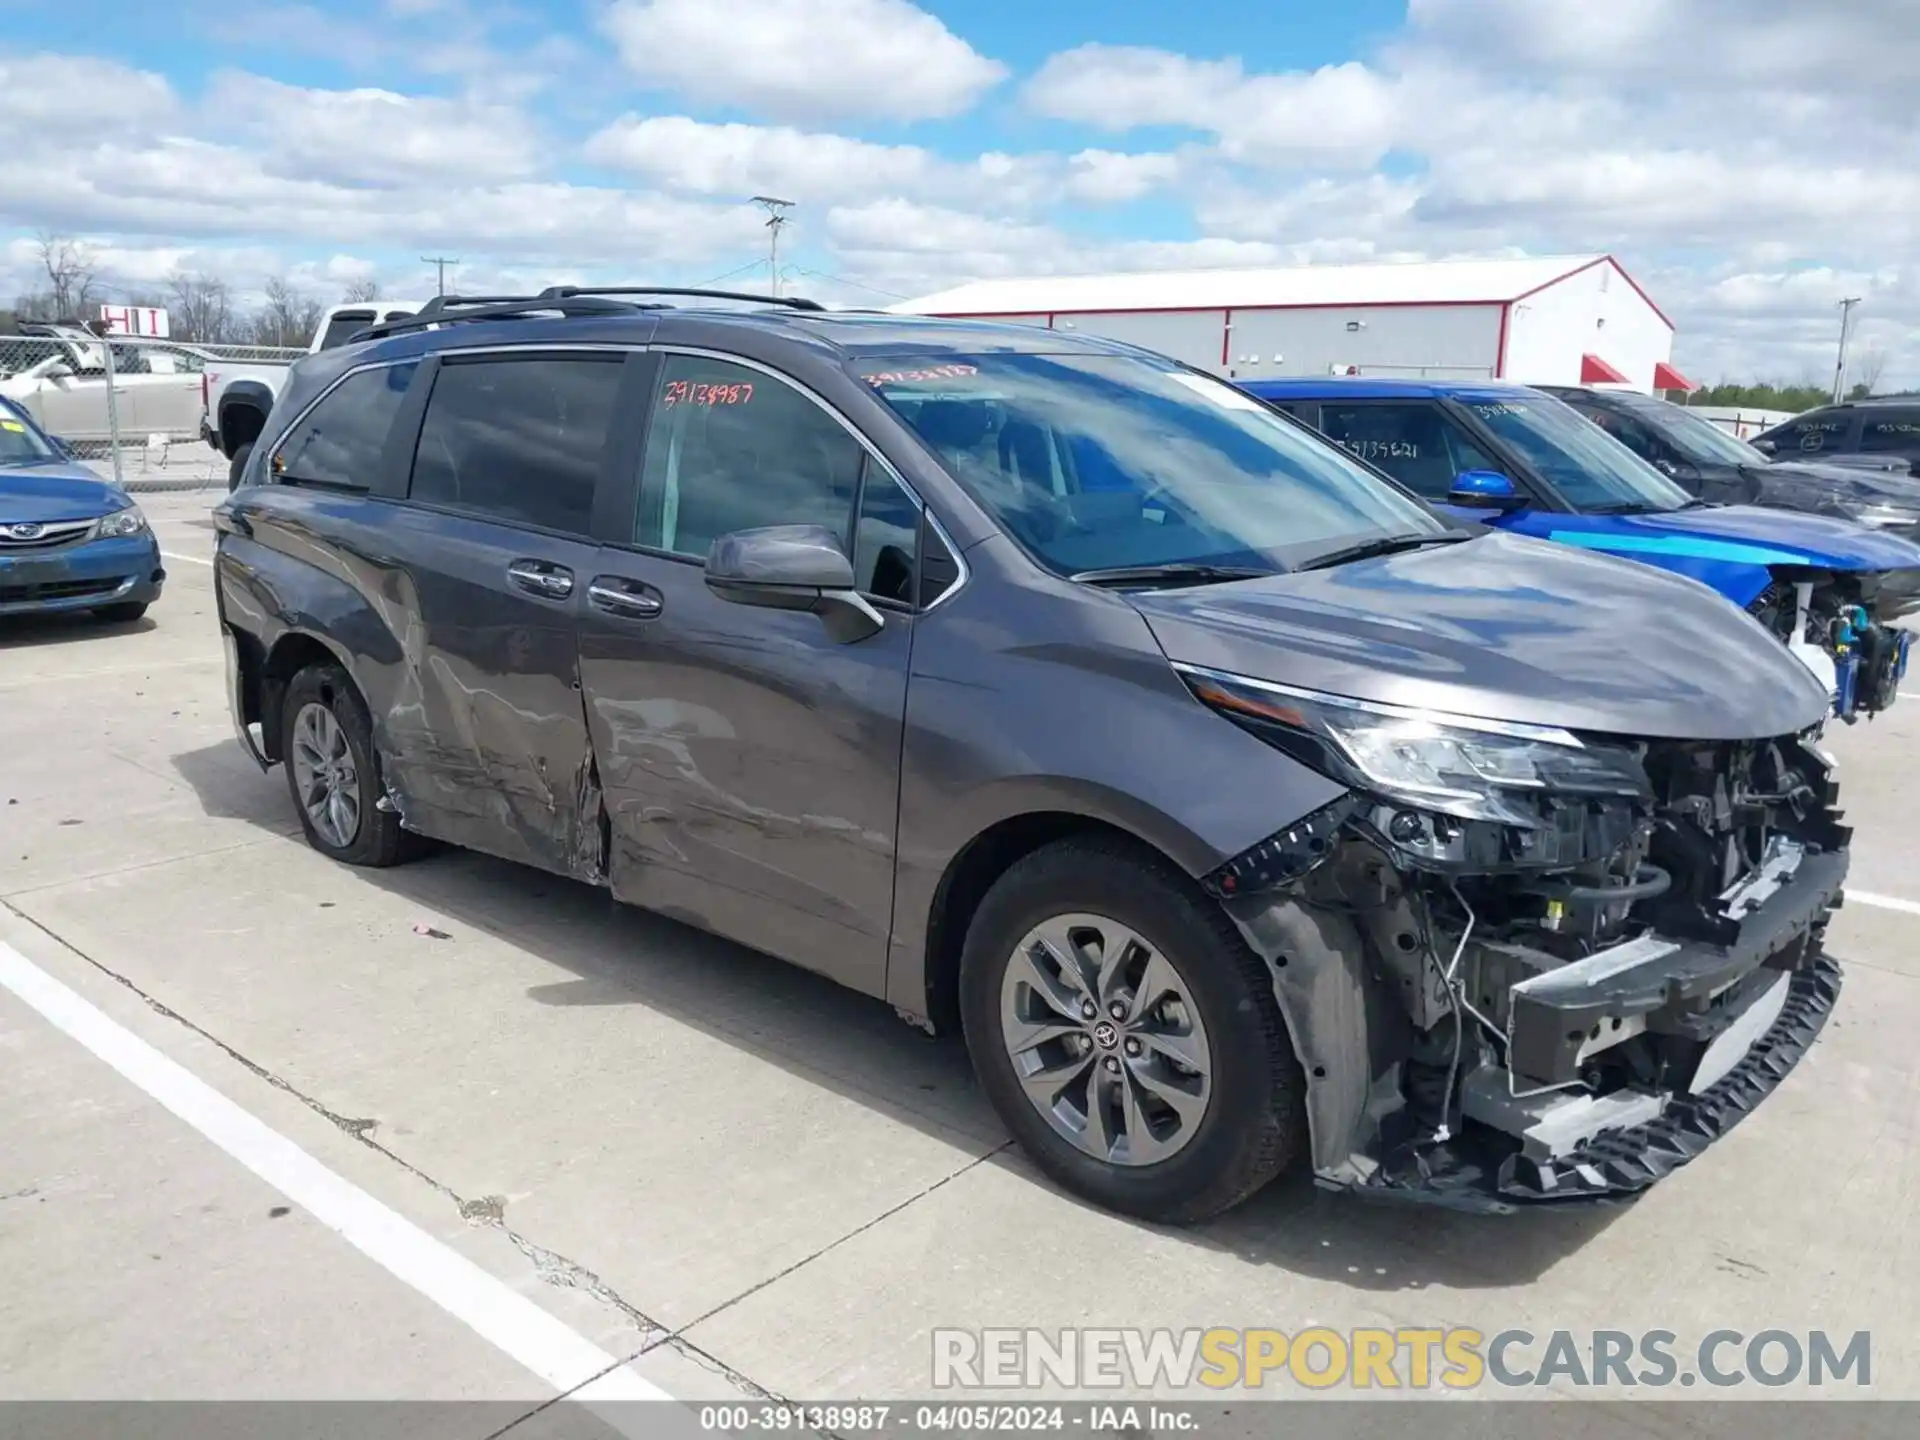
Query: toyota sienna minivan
1243, 812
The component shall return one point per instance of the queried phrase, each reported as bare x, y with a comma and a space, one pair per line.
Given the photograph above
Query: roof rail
446, 302
518, 308
792, 302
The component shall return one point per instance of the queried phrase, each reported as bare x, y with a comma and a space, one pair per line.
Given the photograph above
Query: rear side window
519, 440
733, 448
339, 443
1892, 430
1415, 444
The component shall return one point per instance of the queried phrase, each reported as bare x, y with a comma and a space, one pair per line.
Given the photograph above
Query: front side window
519, 440
1810, 434
732, 448
1594, 471
1415, 443
1685, 434
1895, 431
1098, 461
339, 443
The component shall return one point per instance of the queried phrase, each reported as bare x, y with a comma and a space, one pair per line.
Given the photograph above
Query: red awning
1595, 371
1665, 377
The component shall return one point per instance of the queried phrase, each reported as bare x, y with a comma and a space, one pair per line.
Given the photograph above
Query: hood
1837, 489
1504, 628
57, 490
1739, 534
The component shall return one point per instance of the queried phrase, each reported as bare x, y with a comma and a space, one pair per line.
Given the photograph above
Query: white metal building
1558, 320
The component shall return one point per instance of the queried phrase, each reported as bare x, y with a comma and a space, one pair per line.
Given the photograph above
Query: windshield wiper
1180, 572
1381, 545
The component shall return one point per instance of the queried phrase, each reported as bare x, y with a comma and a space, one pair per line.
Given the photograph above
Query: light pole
1840, 365
776, 217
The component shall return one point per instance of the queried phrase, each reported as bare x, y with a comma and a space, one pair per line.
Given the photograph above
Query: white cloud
818, 60
1339, 113
1111, 177
373, 137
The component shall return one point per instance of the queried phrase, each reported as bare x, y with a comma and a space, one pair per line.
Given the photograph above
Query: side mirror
793, 567
1485, 490
1765, 447
59, 370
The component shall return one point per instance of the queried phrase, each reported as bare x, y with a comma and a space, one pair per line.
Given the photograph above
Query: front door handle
628, 598
542, 578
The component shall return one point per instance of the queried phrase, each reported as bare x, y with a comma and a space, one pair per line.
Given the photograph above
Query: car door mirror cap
1485, 490
793, 567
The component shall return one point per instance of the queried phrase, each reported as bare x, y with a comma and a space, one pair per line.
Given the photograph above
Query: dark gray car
1243, 812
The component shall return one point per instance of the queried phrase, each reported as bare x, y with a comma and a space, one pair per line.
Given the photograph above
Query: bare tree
359, 290
199, 307
1866, 370
72, 275
287, 317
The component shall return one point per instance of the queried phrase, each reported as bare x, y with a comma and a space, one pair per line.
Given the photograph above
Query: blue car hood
57, 490
1730, 547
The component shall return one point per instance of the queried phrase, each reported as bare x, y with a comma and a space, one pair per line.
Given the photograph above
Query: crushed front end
1841, 625
1521, 964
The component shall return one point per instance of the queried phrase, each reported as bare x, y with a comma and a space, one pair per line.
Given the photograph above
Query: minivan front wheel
1126, 1034
333, 770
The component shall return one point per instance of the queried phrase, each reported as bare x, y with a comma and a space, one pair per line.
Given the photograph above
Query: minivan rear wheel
333, 770
1126, 1034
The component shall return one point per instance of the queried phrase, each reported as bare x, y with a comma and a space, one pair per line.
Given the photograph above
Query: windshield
20, 443
1695, 437
1098, 461
1587, 465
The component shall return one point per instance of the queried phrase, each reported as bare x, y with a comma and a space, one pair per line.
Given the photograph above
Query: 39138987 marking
831, 1419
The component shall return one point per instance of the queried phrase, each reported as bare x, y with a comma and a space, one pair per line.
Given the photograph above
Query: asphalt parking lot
593, 1143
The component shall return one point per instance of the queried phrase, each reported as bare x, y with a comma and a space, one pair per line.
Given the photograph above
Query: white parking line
1883, 902
190, 559
489, 1307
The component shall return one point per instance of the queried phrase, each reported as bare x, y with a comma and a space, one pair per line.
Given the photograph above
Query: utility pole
1840, 365
776, 217
440, 264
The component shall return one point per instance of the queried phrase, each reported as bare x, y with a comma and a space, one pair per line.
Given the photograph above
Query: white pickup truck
235, 396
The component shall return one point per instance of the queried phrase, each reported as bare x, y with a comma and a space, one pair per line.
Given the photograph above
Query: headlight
120, 523
1887, 517
1451, 764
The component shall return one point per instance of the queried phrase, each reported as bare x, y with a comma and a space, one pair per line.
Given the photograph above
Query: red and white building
1556, 320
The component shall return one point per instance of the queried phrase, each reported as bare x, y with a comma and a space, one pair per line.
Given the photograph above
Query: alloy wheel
325, 775
1105, 1040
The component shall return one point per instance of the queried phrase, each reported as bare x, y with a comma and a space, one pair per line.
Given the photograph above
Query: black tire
378, 841
1254, 1126
125, 613
237, 465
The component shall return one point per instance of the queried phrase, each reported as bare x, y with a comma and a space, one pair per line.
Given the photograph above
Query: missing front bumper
1483, 1169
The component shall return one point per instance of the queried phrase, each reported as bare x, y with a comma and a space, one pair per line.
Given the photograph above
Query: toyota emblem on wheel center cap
1106, 1035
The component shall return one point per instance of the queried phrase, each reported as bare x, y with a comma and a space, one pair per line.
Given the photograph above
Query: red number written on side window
703, 392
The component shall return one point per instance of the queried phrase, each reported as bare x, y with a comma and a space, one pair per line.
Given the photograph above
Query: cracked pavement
730, 1173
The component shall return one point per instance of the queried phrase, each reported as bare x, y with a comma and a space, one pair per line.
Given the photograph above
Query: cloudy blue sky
1751, 161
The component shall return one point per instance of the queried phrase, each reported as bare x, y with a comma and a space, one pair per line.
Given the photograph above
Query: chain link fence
134, 403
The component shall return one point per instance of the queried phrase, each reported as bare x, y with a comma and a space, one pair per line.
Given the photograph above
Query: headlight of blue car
120, 524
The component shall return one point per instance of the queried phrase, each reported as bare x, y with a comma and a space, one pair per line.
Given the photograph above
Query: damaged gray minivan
1243, 812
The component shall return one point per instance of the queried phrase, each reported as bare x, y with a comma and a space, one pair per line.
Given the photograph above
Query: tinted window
518, 440
20, 442
734, 449
1811, 433
1897, 430
885, 538
1416, 444
1092, 461
1681, 432
343, 326
1628, 431
340, 441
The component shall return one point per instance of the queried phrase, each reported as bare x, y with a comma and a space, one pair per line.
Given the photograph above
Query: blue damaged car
1520, 460
68, 539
